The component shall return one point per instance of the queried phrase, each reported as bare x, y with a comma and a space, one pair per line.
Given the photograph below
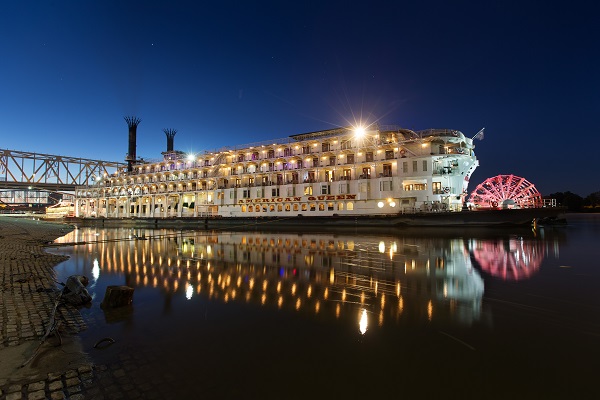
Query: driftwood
74, 292
51, 326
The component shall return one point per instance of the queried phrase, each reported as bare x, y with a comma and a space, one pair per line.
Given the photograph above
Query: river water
473, 313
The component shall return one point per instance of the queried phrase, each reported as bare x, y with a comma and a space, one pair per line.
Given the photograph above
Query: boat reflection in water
388, 279
510, 258
249, 315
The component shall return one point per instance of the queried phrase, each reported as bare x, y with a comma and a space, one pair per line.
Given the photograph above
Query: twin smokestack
132, 123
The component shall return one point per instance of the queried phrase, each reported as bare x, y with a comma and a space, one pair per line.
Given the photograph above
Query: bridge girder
22, 170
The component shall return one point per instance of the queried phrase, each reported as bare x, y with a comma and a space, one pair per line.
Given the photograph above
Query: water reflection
510, 258
394, 279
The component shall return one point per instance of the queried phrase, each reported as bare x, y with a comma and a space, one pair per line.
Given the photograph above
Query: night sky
235, 72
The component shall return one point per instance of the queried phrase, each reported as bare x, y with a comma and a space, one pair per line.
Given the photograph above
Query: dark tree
572, 201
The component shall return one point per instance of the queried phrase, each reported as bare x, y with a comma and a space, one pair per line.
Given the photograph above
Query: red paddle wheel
506, 191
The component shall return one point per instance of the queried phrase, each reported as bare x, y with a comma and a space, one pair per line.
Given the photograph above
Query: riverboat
62, 209
381, 175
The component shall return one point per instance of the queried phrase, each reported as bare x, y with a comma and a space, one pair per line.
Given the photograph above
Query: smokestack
170, 136
132, 123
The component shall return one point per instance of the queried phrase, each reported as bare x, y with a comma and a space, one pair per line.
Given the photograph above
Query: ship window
340, 206
250, 208
321, 207
350, 159
287, 207
424, 165
271, 208
279, 207
243, 208
415, 166
308, 190
304, 207
246, 193
257, 209
415, 186
313, 207
325, 189
343, 188
350, 206
363, 187
330, 207
405, 167
386, 186
436, 187
295, 207
275, 192
389, 154
325, 147
387, 170
264, 208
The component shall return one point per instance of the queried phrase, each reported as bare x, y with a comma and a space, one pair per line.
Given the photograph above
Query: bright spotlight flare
359, 131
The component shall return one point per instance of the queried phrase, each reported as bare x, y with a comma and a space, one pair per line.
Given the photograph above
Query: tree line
574, 202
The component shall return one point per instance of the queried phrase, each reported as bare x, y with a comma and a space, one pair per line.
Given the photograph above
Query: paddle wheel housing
506, 191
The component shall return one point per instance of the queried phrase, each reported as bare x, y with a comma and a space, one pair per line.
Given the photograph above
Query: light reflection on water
246, 305
394, 279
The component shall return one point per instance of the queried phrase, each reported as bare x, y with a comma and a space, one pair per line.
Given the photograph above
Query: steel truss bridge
27, 171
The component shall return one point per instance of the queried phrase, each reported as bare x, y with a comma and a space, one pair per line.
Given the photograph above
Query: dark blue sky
234, 72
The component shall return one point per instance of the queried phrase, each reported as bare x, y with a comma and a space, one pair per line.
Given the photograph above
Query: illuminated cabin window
257, 209
313, 207
287, 207
243, 208
264, 208
330, 207
321, 207
304, 207
308, 190
350, 206
279, 207
340, 206
295, 207
250, 208
415, 186
271, 208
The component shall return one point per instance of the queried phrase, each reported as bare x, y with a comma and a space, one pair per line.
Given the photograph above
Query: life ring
446, 190
494, 204
403, 152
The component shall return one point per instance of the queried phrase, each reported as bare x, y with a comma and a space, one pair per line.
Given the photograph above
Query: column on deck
195, 203
180, 205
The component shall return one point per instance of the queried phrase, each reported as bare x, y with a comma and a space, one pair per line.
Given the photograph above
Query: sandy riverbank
27, 302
